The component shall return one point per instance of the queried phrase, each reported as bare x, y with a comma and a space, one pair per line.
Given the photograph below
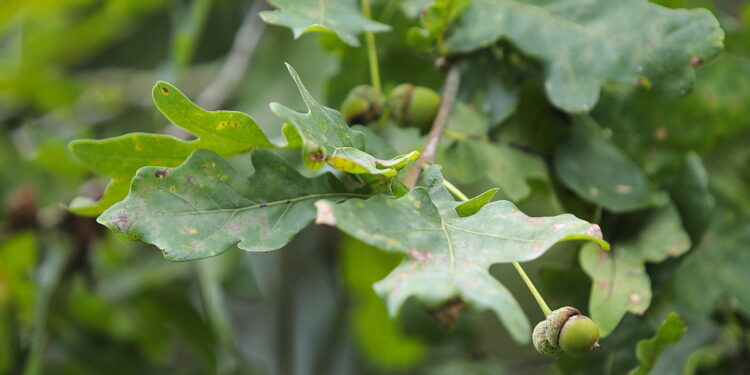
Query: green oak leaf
225, 132
668, 333
204, 206
470, 158
449, 256
468, 161
716, 270
690, 193
601, 173
494, 88
341, 17
643, 122
325, 137
620, 283
586, 44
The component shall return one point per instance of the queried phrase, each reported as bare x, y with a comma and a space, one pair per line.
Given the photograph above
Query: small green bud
565, 330
413, 106
362, 106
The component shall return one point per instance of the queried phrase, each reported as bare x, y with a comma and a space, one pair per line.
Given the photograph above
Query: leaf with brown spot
120, 157
620, 282
204, 206
449, 256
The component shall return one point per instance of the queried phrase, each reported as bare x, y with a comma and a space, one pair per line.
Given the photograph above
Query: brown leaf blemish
696, 61
121, 222
420, 256
162, 173
316, 156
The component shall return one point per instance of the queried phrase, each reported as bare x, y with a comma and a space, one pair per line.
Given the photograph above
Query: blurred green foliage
73, 300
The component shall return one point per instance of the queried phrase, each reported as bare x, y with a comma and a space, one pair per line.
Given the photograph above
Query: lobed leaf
224, 132
620, 283
586, 44
326, 137
717, 269
449, 256
321, 133
668, 333
341, 17
204, 206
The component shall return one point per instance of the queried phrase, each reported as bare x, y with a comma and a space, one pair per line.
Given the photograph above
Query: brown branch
243, 47
234, 67
438, 126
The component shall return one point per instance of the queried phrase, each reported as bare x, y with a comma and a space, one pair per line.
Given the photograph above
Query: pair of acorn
408, 105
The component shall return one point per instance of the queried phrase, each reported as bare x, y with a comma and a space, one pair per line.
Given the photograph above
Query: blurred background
75, 301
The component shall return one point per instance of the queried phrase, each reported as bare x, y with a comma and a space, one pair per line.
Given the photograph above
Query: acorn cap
541, 343
362, 105
556, 320
413, 105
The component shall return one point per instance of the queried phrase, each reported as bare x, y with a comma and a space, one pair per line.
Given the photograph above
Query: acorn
413, 106
362, 105
566, 330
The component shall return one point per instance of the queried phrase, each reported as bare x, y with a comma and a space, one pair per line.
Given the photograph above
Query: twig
234, 67
438, 126
372, 51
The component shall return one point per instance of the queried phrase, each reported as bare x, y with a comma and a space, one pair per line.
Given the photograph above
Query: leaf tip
163, 88
595, 231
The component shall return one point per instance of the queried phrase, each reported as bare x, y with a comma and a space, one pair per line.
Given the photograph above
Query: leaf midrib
263, 205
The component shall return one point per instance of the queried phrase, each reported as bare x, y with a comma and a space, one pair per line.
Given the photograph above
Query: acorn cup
414, 106
362, 105
566, 330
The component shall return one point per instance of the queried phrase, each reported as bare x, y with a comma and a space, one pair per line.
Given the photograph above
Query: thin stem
438, 126
453, 189
372, 52
545, 309
543, 305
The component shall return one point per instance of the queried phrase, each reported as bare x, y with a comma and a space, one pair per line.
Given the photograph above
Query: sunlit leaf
224, 132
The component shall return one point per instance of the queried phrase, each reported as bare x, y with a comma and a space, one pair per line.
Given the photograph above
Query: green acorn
566, 330
413, 106
362, 105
